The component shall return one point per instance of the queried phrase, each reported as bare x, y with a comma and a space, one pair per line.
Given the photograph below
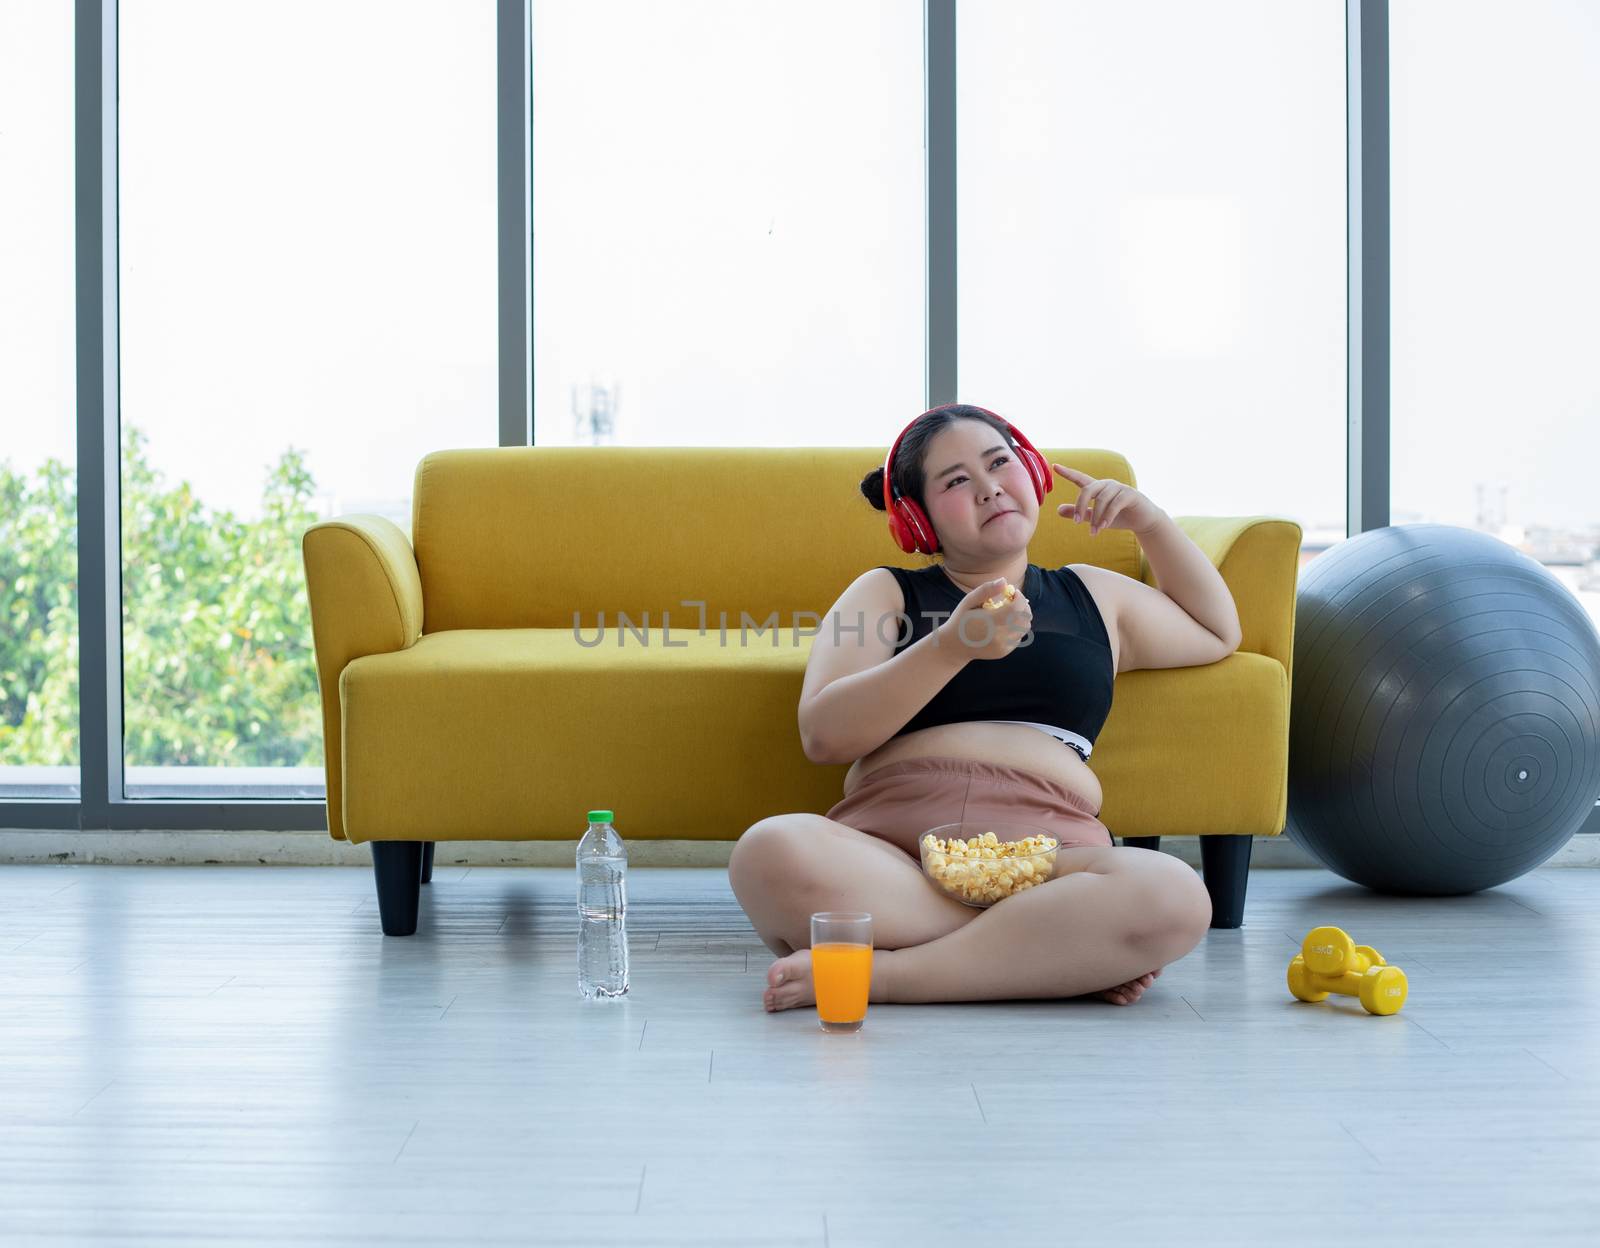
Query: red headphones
909, 524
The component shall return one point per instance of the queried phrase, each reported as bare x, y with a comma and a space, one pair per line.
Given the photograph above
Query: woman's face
987, 478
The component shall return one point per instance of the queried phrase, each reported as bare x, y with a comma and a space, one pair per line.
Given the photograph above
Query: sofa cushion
508, 734
515, 733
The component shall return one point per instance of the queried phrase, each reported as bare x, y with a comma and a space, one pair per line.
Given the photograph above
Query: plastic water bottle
602, 910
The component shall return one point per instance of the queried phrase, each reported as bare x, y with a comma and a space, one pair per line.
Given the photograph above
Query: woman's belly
1010, 745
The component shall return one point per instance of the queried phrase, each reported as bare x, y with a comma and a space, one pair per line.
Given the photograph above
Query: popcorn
1000, 600
984, 869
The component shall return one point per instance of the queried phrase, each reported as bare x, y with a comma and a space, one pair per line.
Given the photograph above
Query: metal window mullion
513, 126
49, 813
1367, 264
99, 558
198, 815
939, 142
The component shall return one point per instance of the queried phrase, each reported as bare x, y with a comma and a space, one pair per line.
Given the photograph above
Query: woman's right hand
987, 634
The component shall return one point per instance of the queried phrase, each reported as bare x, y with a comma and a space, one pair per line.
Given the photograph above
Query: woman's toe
787, 970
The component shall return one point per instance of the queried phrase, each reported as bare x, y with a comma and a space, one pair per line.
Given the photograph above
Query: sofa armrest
366, 598
1259, 558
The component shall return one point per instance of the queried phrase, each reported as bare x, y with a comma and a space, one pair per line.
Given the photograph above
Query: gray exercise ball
1444, 723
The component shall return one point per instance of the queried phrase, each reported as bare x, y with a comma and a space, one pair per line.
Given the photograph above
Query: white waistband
1063, 735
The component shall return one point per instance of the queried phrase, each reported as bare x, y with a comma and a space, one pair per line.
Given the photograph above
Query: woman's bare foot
789, 982
1128, 993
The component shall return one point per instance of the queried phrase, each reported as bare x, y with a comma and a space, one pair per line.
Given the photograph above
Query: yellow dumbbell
1329, 961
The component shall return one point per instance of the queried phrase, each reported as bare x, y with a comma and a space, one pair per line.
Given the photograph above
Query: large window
308, 306
1152, 242
38, 453
729, 242
729, 202
1496, 258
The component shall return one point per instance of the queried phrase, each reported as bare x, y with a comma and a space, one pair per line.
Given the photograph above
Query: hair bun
872, 487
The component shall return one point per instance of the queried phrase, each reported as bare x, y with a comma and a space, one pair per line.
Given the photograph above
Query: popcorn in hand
1000, 600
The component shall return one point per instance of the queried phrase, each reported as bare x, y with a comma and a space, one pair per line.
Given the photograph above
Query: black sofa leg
397, 867
427, 862
1143, 842
1225, 865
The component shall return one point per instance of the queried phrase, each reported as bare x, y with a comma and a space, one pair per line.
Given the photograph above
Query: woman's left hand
1107, 503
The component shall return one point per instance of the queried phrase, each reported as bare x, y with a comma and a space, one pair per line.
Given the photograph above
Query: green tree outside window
218, 666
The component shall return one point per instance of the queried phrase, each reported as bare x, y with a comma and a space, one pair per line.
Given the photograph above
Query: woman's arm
855, 714
1190, 579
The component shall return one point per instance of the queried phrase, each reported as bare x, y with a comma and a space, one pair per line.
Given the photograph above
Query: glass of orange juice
841, 968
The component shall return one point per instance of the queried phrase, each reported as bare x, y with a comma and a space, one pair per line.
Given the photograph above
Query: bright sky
729, 231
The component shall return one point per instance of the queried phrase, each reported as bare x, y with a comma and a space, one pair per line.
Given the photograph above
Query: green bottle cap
599, 816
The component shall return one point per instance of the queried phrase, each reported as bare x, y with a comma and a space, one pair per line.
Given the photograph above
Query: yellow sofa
469, 692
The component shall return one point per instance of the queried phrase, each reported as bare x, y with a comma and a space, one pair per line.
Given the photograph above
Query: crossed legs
1109, 916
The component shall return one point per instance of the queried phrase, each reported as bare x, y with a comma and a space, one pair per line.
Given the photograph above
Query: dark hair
910, 473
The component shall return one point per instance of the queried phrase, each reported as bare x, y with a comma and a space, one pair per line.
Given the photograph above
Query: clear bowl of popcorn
981, 863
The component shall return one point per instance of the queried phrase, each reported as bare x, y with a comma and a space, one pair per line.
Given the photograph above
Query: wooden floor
237, 1055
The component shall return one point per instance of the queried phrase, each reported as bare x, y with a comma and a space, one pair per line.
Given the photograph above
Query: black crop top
1062, 675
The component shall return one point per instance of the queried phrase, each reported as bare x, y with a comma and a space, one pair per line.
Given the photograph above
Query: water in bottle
602, 910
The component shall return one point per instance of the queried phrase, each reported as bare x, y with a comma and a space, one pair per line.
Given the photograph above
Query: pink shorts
903, 800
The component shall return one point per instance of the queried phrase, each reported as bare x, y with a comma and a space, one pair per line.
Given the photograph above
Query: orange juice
842, 976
